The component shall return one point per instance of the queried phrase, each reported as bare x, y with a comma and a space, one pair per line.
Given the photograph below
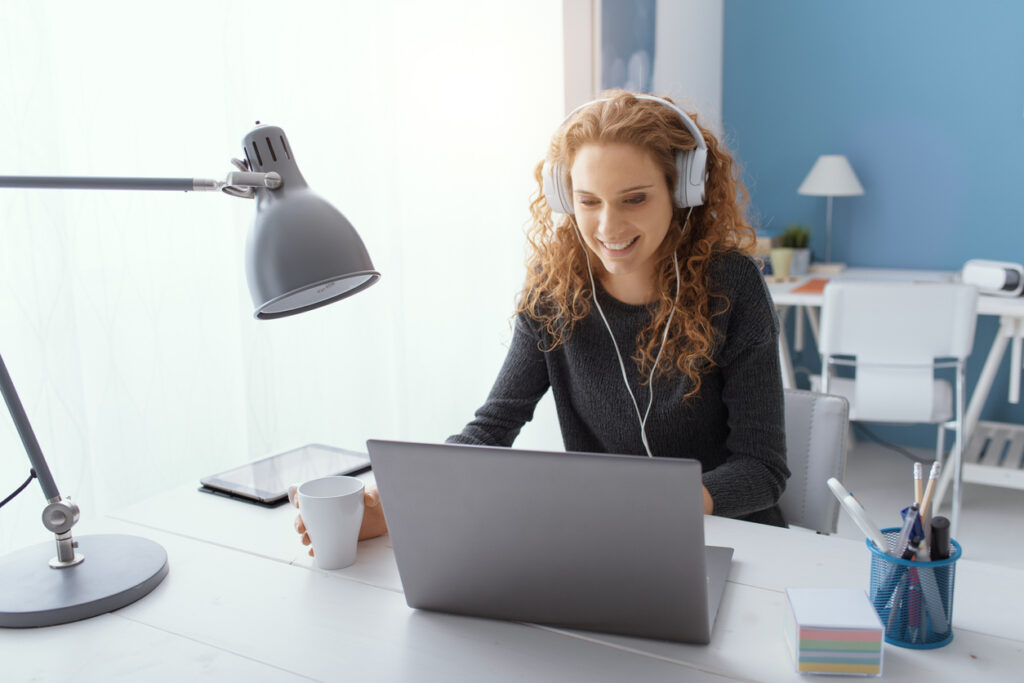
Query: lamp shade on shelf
831, 176
301, 253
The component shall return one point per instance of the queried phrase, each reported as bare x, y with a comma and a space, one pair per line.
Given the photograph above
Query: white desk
243, 601
1009, 471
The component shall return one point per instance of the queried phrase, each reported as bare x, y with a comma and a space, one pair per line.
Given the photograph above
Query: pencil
926, 504
917, 482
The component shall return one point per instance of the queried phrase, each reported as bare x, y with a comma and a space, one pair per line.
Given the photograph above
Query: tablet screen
267, 480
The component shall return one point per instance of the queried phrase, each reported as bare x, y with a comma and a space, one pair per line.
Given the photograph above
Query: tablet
266, 481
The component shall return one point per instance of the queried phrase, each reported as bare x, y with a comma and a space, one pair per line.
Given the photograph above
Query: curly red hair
557, 290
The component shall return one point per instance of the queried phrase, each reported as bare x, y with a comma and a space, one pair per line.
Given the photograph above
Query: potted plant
796, 237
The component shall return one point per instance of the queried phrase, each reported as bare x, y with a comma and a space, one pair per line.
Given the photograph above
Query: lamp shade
301, 253
831, 176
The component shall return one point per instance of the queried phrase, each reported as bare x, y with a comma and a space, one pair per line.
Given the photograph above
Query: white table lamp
831, 176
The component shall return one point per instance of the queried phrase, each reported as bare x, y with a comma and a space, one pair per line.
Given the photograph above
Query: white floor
991, 520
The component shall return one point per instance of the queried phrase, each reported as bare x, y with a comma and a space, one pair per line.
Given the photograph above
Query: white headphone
690, 163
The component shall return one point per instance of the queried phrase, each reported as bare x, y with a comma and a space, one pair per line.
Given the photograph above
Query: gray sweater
734, 426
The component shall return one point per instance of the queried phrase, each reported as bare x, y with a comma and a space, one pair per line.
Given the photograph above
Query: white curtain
124, 316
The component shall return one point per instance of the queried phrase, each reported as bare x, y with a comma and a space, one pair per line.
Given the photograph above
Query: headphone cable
618, 354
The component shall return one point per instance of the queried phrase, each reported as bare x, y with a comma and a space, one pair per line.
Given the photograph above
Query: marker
859, 515
933, 602
940, 538
940, 549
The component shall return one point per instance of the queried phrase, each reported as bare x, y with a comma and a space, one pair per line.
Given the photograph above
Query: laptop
607, 543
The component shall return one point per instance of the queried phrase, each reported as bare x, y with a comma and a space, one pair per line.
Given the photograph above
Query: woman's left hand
709, 505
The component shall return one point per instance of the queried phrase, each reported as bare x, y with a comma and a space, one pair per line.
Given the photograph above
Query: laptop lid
597, 542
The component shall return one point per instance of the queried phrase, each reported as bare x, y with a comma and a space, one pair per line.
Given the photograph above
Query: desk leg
785, 362
812, 322
1007, 329
1010, 328
798, 329
1015, 362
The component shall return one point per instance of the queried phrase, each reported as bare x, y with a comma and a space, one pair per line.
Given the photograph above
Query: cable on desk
21, 488
893, 447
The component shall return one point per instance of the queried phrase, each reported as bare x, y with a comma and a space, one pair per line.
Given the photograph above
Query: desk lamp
831, 176
301, 253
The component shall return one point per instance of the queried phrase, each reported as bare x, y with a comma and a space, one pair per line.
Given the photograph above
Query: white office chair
894, 335
816, 427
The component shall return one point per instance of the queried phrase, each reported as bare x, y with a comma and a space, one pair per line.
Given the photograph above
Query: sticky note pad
834, 631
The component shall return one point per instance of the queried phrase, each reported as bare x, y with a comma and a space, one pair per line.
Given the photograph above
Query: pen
917, 482
913, 599
908, 525
917, 531
895, 607
859, 515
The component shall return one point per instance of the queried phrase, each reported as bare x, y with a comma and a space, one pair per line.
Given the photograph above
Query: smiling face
624, 209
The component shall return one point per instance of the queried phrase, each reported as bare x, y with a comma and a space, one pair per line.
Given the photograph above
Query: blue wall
925, 98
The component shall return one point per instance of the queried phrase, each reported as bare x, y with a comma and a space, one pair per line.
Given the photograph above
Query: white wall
124, 317
688, 59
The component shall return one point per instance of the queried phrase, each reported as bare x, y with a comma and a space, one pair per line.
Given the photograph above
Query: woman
642, 310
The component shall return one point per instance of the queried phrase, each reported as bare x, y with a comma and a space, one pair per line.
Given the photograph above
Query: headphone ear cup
556, 190
690, 187
681, 175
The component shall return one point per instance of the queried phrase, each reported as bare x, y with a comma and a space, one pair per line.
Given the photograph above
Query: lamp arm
59, 515
28, 437
243, 179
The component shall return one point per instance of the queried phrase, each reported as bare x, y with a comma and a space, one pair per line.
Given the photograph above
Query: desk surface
242, 599
783, 295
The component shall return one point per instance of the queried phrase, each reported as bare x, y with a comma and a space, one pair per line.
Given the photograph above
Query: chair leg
955, 466
952, 469
947, 471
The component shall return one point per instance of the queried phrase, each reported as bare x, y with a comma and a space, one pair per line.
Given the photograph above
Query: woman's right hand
373, 516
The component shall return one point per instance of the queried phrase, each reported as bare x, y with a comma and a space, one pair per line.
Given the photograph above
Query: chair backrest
897, 322
816, 427
896, 331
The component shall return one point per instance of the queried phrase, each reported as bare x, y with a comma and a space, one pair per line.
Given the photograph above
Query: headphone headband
690, 164
683, 116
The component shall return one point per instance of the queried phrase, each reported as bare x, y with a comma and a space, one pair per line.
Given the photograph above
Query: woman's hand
709, 505
373, 516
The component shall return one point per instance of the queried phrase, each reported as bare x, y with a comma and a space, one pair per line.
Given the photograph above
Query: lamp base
117, 571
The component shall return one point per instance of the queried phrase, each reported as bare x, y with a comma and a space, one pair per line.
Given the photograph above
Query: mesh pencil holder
913, 599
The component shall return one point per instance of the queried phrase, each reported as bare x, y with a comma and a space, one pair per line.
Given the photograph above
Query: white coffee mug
332, 510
